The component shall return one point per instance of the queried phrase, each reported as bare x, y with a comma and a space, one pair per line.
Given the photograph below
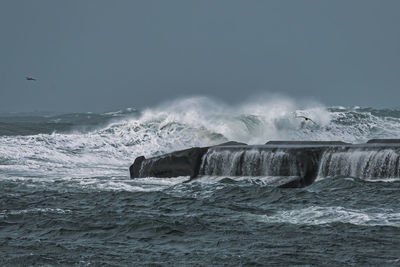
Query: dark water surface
333, 222
66, 198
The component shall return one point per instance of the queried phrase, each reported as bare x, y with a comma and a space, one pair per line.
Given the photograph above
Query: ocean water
66, 197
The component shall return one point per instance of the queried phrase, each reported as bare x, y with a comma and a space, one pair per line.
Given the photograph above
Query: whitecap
317, 215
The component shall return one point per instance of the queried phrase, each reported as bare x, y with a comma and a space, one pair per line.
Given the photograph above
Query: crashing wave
115, 139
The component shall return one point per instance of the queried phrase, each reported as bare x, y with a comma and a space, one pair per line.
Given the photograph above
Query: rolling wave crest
115, 139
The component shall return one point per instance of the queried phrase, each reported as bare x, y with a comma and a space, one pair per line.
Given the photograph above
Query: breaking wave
105, 144
316, 215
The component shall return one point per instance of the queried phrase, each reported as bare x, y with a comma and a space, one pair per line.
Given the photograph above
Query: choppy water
66, 197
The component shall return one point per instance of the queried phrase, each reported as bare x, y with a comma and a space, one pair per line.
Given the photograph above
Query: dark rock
325, 143
187, 163
179, 163
383, 141
232, 143
295, 163
134, 169
307, 160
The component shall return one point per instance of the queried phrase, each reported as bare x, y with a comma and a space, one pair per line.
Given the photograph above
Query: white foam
136, 185
317, 215
373, 165
5, 213
261, 180
119, 183
180, 124
247, 163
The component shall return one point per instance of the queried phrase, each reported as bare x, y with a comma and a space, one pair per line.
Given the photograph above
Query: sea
66, 198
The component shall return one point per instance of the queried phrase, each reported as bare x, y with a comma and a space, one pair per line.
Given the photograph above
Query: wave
317, 215
13, 124
90, 144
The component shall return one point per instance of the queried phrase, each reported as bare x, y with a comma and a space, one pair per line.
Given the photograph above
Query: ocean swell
114, 139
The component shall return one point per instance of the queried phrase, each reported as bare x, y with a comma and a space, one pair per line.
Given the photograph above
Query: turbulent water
251, 163
67, 199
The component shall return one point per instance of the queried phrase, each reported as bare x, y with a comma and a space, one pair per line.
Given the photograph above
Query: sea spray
67, 199
115, 139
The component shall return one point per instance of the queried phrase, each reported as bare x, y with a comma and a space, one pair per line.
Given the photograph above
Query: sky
105, 55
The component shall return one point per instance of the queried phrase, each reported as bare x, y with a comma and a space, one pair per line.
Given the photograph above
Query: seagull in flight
30, 79
305, 118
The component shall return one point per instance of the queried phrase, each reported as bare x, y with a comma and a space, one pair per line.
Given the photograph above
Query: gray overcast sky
107, 55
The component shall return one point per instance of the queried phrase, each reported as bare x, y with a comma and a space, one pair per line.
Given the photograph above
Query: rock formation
295, 163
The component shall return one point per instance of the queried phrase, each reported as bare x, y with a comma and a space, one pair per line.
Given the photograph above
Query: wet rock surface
298, 162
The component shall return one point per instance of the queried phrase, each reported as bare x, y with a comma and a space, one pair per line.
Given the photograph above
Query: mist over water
66, 188
108, 142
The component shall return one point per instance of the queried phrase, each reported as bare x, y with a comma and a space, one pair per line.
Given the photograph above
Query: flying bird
30, 79
306, 118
